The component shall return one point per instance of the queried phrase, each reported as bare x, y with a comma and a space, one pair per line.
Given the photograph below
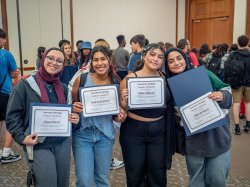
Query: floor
14, 174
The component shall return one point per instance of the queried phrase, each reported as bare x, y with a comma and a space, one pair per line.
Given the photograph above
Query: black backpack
214, 65
234, 71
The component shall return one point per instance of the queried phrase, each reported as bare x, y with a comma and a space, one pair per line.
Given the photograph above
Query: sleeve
227, 99
224, 88
15, 115
12, 62
127, 56
194, 59
131, 63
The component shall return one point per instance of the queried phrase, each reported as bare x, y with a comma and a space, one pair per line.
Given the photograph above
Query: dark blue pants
143, 149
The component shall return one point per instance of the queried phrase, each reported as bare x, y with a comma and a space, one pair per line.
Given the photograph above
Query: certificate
201, 113
50, 119
146, 92
100, 100
188, 86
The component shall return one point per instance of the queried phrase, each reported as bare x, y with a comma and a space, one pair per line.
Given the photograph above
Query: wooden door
211, 22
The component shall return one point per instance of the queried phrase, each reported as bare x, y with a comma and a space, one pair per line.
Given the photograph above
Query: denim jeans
208, 171
92, 155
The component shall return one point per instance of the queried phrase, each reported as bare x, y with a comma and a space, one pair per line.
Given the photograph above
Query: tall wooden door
211, 22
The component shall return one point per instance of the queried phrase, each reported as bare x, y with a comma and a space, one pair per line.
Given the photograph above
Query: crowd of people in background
147, 136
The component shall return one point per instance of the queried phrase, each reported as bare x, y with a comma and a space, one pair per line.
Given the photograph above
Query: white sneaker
116, 164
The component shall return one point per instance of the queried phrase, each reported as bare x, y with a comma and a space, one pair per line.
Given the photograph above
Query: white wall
12, 29
41, 22
66, 19
107, 19
240, 14
181, 19
40, 26
1, 24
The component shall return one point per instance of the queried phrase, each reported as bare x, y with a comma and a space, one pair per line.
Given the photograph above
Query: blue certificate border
143, 105
101, 113
48, 105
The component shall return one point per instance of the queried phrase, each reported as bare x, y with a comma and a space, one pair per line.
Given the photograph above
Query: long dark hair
109, 55
140, 62
40, 51
84, 59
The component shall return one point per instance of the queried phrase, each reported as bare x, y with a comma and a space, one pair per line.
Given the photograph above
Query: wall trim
71, 24
248, 19
176, 17
5, 21
188, 20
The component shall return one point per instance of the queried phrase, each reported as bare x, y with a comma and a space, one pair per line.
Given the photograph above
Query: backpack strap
161, 73
83, 78
33, 84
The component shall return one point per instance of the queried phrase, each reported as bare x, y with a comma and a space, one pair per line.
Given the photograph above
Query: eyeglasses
51, 59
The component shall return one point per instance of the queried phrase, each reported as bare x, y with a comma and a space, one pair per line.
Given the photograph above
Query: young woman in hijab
51, 156
207, 153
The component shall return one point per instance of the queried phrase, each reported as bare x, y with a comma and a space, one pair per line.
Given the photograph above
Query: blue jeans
92, 154
208, 171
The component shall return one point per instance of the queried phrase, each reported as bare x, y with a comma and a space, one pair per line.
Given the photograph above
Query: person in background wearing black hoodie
244, 53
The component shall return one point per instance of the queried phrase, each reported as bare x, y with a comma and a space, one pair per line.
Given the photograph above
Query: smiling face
154, 59
100, 63
176, 63
67, 49
53, 62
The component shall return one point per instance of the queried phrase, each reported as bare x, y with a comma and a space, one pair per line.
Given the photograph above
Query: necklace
50, 87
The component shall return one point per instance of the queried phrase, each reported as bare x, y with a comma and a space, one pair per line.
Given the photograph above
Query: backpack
234, 71
214, 65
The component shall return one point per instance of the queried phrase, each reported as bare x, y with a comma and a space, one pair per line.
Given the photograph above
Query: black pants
4, 98
143, 149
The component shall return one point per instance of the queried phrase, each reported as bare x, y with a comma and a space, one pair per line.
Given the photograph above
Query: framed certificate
201, 113
50, 119
146, 92
100, 100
